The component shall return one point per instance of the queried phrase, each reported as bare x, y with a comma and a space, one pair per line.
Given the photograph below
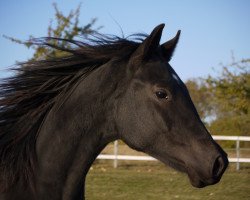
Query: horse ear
169, 46
148, 46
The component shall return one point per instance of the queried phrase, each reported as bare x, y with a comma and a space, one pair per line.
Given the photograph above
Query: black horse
57, 114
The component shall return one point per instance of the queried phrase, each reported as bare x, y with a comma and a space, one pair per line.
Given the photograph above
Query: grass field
153, 181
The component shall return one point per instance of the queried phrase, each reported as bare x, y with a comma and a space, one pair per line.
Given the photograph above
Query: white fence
238, 159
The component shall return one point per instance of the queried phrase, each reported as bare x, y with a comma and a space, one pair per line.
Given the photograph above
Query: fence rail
236, 160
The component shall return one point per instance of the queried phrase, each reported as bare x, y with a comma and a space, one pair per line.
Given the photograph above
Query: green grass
154, 181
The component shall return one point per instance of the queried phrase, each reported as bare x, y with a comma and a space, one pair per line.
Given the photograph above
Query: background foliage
62, 26
224, 101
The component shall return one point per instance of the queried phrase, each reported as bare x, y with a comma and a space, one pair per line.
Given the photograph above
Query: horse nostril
218, 167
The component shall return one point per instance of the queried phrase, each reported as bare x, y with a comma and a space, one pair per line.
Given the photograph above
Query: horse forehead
176, 77
165, 70
157, 68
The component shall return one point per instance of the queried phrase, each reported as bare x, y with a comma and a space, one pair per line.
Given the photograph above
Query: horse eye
162, 94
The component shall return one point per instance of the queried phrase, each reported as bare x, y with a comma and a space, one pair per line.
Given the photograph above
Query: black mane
26, 98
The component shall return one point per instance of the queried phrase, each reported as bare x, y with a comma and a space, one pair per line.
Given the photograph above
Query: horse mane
27, 96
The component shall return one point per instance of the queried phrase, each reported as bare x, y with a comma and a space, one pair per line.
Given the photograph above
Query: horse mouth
195, 179
199, 181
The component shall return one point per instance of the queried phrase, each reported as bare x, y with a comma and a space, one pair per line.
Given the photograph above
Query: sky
211, 30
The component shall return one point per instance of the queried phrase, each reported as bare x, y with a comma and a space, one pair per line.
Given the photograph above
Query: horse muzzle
202, 177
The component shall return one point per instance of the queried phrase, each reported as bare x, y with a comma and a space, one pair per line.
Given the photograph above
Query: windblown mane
27, 97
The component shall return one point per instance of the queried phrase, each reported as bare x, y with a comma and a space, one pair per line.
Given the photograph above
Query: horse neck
71, 138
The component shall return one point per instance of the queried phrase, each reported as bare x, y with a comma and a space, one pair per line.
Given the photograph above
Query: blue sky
211, 30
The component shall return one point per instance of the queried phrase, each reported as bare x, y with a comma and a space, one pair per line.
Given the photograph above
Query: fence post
238, 153
115, 153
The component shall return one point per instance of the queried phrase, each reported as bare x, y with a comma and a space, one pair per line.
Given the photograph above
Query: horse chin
198, 183
194, 179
